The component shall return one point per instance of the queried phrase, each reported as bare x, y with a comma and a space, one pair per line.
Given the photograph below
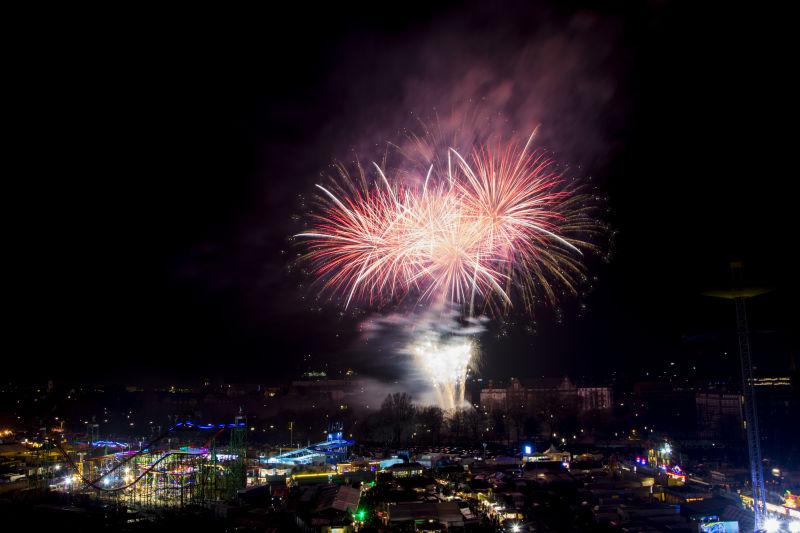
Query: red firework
494, 224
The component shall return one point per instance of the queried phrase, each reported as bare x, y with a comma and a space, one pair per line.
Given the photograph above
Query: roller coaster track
303, 454
145, 450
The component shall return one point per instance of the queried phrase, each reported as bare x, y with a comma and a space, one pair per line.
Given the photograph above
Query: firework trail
438, 348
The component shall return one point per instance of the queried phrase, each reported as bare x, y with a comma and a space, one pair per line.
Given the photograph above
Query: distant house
426, 514
552, 454
339, 498
12, 450
324, 508
406, 469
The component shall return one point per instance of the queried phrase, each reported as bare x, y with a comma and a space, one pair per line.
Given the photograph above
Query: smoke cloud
388, 345
466, 80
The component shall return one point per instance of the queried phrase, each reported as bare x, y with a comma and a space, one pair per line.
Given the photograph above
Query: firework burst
474, 232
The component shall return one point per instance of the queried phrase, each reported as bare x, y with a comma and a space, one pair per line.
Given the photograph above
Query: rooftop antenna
739, 295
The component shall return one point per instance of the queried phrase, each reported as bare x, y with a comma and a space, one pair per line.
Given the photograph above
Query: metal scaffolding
161, 475
739, 295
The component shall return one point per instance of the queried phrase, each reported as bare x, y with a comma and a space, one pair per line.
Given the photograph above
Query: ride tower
739, 295
337, 444
236, 476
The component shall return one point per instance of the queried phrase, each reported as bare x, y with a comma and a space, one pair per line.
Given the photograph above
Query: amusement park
189, 464
183, 465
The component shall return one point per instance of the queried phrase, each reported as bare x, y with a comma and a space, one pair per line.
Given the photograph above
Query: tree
596, 422
374, 428
517, 415
557, 413
476, 422
455, 423
499, 424
431, 419
398, 412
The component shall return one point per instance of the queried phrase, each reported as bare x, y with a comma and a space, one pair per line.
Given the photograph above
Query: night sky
163, 161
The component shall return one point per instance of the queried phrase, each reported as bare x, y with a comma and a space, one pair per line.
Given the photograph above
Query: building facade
525, 393
719, 416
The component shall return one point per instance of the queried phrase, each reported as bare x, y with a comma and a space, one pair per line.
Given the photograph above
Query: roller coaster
158, 476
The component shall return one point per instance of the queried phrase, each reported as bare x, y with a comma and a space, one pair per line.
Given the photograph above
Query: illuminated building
358, 466
527, 391
780, 381
594, 398
406, 469
386, 463
552, 454
719, 416
778, 404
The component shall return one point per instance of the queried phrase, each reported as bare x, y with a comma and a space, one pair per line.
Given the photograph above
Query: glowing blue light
190, 424
109, 444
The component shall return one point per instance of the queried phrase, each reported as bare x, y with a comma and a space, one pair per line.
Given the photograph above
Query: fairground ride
160, 474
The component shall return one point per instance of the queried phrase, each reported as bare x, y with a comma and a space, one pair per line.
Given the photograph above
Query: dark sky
163, 157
